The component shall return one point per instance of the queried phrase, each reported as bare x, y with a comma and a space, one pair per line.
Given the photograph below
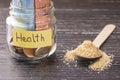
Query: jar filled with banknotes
31, 29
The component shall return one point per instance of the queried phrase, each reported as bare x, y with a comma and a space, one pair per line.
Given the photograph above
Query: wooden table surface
77, 20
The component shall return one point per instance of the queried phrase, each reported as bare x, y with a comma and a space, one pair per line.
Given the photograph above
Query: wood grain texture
75, 23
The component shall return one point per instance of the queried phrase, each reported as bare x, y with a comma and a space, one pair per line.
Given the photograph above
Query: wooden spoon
87, 52
103, 35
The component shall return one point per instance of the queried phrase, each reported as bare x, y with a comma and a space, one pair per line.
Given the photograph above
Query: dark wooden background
78, 20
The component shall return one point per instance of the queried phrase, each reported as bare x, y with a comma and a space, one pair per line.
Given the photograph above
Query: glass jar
31, 31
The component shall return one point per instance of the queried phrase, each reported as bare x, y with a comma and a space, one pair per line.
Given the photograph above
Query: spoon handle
103, 35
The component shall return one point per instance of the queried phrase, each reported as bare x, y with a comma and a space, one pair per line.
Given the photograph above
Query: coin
41, 52
18, 49
15, 49
29, 52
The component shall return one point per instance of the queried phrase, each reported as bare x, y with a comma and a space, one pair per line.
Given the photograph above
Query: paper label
32, 39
